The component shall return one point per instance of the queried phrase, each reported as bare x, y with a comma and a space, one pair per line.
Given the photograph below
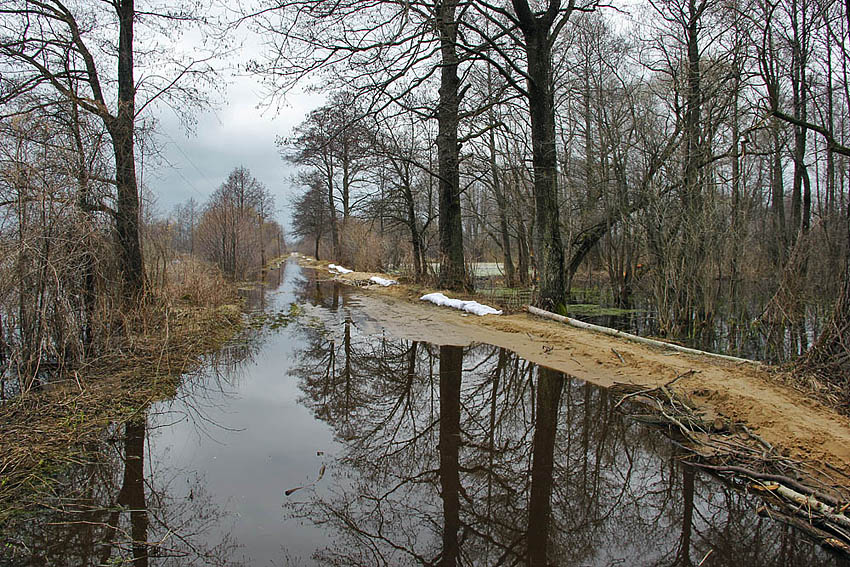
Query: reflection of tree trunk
549, 386
491, 441
451, 365
132, 493
411, 363
335, 298
684, 556
347, 368
585, 438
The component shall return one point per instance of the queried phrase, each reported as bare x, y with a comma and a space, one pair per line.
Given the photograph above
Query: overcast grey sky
240, 132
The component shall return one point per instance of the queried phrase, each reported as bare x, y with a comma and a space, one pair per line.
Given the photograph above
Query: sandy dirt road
796, 425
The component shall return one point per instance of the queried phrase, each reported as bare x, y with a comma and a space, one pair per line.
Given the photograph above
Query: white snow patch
382, 281
338, 269
469, 306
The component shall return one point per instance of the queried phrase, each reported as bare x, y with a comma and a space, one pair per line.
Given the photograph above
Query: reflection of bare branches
107, 511
616, 492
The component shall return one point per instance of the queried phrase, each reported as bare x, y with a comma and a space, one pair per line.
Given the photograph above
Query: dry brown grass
361, 248
42, 432
198, 283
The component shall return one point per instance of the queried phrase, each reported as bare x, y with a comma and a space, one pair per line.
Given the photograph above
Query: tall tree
382, 51
538, 33
335, 145
452, 267
540, 30
57, 45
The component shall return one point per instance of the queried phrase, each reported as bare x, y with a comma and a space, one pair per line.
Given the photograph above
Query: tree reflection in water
473, 456
121, 506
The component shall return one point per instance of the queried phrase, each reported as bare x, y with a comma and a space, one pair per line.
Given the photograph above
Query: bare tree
383, 51
54, 45
310, 212
230, 231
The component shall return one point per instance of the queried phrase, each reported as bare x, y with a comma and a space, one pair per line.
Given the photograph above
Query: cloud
241, 133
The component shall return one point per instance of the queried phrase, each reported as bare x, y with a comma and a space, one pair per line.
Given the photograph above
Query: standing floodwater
311, 442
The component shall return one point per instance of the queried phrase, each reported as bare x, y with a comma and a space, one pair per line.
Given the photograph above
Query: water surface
392, 452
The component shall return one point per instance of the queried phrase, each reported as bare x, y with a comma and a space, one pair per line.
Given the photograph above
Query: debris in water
321, 474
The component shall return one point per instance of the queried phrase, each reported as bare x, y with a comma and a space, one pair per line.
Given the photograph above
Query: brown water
400, 453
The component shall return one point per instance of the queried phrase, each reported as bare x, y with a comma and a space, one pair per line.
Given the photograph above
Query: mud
799, 427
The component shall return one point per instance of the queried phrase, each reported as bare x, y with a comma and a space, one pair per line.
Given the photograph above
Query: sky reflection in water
431, 455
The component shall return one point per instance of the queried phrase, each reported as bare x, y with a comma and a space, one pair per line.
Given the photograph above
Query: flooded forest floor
56, 424
754, 397
353, 424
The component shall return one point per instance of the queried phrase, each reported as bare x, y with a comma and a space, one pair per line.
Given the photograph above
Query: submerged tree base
825, 369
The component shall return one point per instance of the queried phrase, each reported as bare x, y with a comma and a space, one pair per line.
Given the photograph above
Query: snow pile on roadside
382, 281
338, 269
468, 306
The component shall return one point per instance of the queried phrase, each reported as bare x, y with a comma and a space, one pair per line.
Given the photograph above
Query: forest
688, 154
683, 164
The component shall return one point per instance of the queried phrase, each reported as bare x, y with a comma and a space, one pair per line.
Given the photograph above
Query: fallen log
643, 340
802, 491
810, 503
820, 536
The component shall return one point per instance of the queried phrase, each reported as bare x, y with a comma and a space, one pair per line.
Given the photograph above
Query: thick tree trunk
541, 101
452, 269
121, 130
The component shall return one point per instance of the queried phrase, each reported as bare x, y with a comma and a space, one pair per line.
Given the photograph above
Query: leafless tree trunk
537, 30
452, 268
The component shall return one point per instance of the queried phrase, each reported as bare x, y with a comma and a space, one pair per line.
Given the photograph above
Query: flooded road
315, 440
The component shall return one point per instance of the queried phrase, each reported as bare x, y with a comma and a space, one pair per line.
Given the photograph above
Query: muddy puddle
317, 439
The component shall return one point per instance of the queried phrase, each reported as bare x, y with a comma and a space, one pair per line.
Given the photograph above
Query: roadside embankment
44, 430
753, 396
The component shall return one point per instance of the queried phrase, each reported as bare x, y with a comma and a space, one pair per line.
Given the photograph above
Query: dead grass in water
42, 432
